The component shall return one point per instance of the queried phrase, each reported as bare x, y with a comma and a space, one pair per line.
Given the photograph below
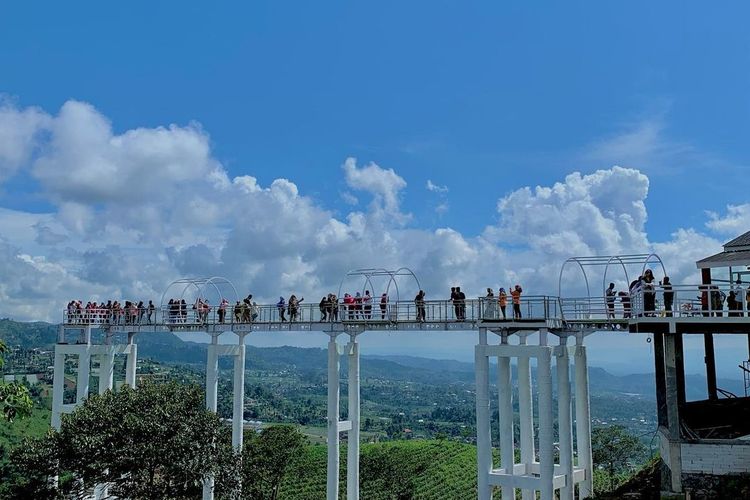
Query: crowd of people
111, 313
710, 301
357, 306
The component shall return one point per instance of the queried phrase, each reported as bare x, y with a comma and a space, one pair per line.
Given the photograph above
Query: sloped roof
736, 253
739, 241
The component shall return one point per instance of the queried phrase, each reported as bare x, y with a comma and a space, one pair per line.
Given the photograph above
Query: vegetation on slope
429, 469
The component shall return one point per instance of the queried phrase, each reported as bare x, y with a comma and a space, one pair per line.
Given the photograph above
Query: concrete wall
715, 458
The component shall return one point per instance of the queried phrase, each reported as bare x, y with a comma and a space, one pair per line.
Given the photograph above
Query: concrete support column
583, 420
673, 415
526, 414
352, 451
132, 361
332, 487
546, 451
484, 438
58, 387
84, 370
238, 413
106, 370
505, 406
212, 388
564, 420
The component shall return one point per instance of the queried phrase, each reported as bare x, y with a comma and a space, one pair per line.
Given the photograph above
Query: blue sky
481, 97
283, 143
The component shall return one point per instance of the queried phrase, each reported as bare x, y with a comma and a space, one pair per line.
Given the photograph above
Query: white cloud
735, 222
435, 188
384, 185
19, 135
134, 211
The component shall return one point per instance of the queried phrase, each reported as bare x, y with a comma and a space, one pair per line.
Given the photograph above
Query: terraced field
388, 471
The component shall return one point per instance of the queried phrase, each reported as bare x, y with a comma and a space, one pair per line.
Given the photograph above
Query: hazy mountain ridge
168, 348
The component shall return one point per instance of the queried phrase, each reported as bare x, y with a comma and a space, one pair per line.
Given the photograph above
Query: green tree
614, 450
15, 400
266, 457
157, 441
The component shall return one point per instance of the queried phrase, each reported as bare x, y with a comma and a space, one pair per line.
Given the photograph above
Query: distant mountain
28, 335
168, 348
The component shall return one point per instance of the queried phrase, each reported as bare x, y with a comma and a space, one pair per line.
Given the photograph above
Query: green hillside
401, 469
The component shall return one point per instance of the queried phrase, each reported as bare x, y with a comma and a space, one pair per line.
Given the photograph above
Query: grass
13, 433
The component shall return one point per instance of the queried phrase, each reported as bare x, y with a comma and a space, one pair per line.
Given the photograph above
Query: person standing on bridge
223, 309
516, 296
323, 307
419, 301
666, 285
609, 297
502, 301
281, 306
367, 305
489, 304
383, 305
461, 304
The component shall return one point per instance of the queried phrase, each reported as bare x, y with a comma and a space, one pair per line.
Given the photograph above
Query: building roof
736, 253
739, 241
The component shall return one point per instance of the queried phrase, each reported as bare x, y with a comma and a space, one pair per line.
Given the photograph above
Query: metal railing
531, 308
720, 300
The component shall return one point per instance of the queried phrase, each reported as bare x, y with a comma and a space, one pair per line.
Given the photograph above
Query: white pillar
84, 368
352, 451
583, 420
484, 437
238, 413
526, 414
505, 406
212, 387
546, 452
132, 361
332, 488
106, 370
58, 388
564, 424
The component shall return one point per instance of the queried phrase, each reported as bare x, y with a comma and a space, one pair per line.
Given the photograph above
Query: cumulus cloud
20, 131
135, 210
384, 185
600, 213
735, 222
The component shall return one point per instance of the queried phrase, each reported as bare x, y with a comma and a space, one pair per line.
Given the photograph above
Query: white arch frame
369, 273
200, 285
625, 260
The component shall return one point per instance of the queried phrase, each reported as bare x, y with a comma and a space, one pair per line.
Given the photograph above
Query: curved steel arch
606, 268
199, 284
577, 260
658, 259
369, 273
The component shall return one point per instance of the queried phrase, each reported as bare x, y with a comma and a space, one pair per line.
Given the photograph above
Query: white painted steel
106, 369
526, 415
484, 438
212, 387
352, 452
84, 368
583, 421
546, 451
238, 413
564, 419
332, 486
132, 364
505, 406
58, 387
